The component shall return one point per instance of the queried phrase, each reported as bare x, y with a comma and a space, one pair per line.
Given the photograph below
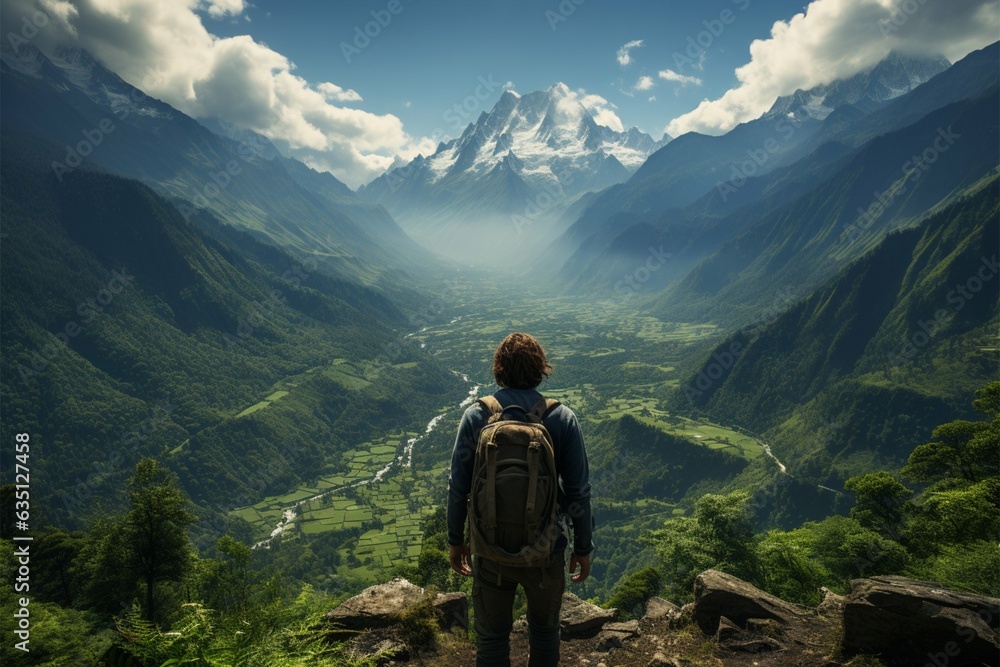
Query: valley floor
609, 362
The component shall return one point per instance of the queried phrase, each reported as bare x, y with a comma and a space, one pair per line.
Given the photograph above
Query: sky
347, 86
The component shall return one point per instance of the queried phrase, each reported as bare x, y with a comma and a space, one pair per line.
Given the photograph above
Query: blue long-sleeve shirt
571, 465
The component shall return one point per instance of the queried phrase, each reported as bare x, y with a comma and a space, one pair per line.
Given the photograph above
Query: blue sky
433, 53
279, 68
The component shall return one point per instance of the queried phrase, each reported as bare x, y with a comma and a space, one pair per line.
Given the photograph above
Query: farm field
605, 368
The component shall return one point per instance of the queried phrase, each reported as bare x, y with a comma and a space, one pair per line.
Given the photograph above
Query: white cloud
165, 49
509, 85
623, 56
652, 98
834, 39
602, 111
335, 93
683, 79
569, 102
407, 104
218, 9
644, 83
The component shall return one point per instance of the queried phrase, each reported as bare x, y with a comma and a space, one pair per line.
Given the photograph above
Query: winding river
403, 460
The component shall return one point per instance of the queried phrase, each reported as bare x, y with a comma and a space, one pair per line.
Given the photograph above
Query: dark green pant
493, 602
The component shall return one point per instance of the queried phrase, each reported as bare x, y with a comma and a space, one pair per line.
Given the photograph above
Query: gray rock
630, 628
657, 608
717, 594
376, 607
580, 618
381, 606
905, 621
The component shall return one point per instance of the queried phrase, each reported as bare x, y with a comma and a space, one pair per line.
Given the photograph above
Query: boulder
631, 628
659, 609
717, 594
580, 619
613, 635
905, 622
381, 606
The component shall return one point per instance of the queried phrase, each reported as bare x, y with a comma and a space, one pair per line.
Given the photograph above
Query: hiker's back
513, 503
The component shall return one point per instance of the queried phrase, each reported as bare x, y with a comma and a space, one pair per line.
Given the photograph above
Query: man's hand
458, 554
584, 563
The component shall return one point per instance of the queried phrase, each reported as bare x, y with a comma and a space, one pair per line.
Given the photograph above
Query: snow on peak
551, 133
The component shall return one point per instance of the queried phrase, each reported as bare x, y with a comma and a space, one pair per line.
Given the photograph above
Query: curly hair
520, 362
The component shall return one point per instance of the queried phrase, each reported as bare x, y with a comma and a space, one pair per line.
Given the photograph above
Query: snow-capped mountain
891, 77
75, 69
526, 160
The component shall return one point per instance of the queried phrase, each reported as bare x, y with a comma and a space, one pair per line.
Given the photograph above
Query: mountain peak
894, 75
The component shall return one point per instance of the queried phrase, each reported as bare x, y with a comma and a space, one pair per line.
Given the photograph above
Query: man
519, 366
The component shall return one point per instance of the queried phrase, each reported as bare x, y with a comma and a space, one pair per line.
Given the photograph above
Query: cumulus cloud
623, 56
671, 75
165, 49
644, 83
218, 9
337, 94
602, 111
834, 39
569, 101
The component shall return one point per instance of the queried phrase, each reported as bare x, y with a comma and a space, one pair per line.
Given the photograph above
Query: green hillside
850, 376
130, 332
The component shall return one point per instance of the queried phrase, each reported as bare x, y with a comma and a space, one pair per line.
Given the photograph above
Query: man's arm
459, 485
574, 472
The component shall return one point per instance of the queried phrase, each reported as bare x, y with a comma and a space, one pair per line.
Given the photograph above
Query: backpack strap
492, 407
491, 491
491, 404
541, 409
530, 510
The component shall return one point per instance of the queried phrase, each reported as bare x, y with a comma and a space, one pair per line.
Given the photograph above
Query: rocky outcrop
613, 635
902, 621
718, 594
907, 622
658, 609
580, 618
381, 607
